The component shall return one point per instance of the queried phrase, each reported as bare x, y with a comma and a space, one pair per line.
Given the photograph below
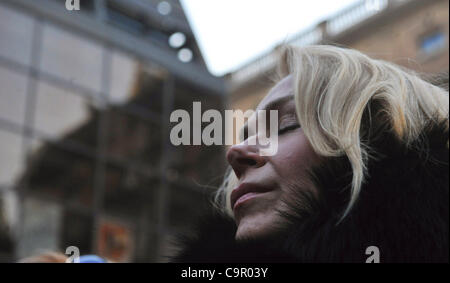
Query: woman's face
265, 181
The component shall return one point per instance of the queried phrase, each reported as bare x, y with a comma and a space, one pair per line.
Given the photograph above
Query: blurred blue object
91, 259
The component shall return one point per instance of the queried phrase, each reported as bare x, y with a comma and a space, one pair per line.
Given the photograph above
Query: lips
246, 191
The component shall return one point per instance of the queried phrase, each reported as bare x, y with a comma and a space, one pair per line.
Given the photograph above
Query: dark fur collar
403, 209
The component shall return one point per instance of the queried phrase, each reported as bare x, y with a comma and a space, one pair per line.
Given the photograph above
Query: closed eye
288, 128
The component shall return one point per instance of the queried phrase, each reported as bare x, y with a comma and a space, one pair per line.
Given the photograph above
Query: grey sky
232, 32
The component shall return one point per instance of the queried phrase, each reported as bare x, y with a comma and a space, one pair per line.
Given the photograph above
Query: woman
361, 171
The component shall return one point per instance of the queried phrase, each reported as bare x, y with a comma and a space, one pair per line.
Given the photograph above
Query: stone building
411, 33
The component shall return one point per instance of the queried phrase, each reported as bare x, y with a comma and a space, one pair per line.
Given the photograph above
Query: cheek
294, 155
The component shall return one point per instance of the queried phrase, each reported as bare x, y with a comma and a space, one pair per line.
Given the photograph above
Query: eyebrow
276, 104
273, 105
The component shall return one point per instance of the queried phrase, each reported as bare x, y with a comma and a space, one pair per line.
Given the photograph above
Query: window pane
16, 33
433, 42
77, 231
128, 191
41, 228
61, 175
12, 96
72, 57
201, 164
64, 115
147, 94
136, 88
133, 139
8, 208
123, 76
11, 158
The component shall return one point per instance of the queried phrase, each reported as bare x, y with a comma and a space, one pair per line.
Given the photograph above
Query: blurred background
85, 100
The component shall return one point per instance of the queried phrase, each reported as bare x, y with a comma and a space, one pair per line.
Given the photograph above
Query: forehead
282, 89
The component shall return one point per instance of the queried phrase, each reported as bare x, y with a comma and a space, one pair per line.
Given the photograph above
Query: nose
243, 156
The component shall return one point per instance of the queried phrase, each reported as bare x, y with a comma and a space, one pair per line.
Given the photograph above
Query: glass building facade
85, 156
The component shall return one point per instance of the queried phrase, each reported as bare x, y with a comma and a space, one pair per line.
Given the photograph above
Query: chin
256, 228
243, 234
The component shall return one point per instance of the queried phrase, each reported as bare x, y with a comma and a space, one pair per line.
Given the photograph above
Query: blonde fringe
333, 87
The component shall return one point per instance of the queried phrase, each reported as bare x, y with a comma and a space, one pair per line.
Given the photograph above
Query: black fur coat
403, 210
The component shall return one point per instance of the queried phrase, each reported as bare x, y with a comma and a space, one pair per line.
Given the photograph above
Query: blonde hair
333, 87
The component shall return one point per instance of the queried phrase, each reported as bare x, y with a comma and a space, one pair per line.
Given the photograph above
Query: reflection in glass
164, 8
16, 33
123, 75
77, 231
64, 115
60, 175
197, 165
11, 158
187, 206
177, 40
147, 95
71, 57
12, 96
185, 55
132, 138
41, 227
127, 191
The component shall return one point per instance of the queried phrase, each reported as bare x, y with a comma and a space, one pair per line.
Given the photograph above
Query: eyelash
288, 128
280, 131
